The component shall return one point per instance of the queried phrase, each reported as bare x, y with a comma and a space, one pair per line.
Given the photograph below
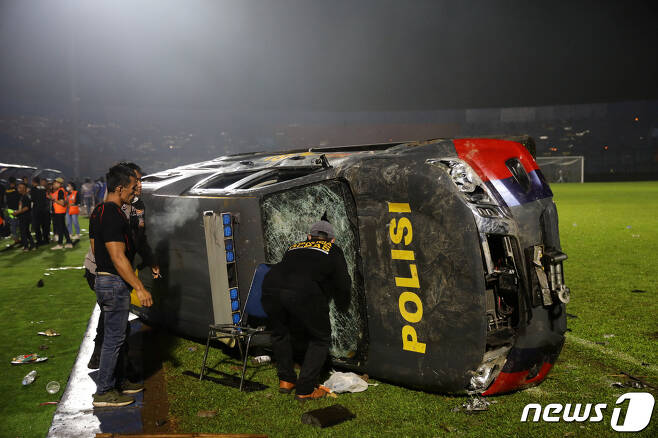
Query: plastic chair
240, 331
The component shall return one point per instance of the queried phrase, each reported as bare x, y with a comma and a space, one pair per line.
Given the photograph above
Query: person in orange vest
60, 206
73, 211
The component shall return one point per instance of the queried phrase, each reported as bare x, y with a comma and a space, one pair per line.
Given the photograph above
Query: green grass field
64, 303
609, 231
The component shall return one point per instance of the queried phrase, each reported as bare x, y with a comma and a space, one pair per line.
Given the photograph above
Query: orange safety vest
58, 209
73, 198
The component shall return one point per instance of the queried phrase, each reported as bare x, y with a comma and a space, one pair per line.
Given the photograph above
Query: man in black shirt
299, 289
40, 213
23, 215
113, 247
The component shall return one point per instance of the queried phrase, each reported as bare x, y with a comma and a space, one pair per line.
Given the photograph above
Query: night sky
327, 55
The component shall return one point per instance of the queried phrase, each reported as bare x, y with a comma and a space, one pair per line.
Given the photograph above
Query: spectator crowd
37, 212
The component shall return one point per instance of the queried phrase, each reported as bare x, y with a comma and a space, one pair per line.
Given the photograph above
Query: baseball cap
60, 180
322, 227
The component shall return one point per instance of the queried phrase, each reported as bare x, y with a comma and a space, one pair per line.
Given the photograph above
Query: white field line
608, 352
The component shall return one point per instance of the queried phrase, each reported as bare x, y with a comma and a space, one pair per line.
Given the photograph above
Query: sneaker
112, 399
57, 247
128, 387
68, 245
318, 393
286, 387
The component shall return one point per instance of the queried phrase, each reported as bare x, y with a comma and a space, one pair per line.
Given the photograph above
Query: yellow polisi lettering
410, 297
394, 207
401, 233
398, 230
411, 281
402, 254
410, 340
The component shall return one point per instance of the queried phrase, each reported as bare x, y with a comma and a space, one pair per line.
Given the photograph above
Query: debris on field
261, 359
46, 273
345, 382
635, 235
29, 378
27, 358
65, 268
40, 282
628, 227
601, 343
448, 428
575, 224
475, 404
52, 387
608, 336
48, 332
206, 414
456, 409
570, 434
617, 385
191, 348
48, 403
638, 291
326, 417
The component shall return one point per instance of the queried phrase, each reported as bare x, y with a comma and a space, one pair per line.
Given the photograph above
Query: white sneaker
68, 245
57, 247
76, 237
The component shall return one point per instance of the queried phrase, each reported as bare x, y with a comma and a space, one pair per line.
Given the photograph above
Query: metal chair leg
244, 362
205, 355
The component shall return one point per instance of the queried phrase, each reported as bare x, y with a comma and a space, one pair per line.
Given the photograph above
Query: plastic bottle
29, 378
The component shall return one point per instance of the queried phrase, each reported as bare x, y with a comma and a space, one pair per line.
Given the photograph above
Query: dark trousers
41, 226
59, 224
124, 369
26, 236
286, 309
113, 296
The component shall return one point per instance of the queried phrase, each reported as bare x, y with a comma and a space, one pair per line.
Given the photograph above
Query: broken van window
287, 216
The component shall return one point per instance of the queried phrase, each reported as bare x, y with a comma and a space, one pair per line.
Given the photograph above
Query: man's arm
125, 270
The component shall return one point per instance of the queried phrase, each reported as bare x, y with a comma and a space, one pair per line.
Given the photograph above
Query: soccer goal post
563, 169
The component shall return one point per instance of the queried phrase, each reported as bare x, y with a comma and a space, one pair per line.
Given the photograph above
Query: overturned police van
452, 246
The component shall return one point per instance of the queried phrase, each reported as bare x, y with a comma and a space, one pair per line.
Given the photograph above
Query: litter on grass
52, 387
474, 405
340, 382
206, 414
65, 268
608, 336
638, 291
40, 283
27, 358
326, 417
48, 332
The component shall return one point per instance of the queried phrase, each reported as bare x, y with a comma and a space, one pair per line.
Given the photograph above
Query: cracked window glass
288, 215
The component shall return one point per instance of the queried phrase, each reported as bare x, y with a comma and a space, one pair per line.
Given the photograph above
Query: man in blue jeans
114, 250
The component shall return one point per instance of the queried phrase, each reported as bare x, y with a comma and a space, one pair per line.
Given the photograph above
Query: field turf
609, 231
64, 303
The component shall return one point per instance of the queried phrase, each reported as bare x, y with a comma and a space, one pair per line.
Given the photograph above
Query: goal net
562, 169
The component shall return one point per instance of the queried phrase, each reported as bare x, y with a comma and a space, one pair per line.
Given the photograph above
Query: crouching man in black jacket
299, 288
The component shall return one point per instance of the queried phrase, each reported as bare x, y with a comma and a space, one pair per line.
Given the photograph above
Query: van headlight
463, 177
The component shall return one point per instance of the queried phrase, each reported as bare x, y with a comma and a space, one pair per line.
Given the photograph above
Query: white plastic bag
345, 382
